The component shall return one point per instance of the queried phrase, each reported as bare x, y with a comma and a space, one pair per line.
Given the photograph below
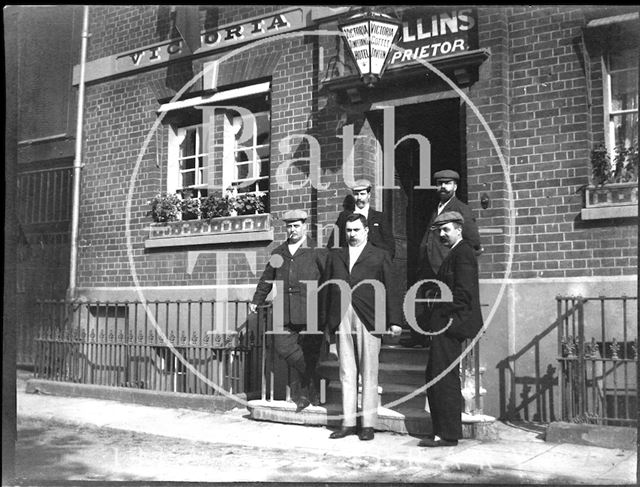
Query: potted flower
613, 184
165, 207
190, 207
214, 214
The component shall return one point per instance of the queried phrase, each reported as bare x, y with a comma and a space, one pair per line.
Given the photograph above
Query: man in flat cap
380, 234
294, 261
432, 251
452, 322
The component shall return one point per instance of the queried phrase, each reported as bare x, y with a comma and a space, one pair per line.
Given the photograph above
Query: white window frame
174, 175
251, 147
609, 113
230, 146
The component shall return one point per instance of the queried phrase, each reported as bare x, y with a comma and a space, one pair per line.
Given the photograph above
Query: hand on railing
252, 307
395, 331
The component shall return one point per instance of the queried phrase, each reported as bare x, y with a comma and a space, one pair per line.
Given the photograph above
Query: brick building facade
525, 95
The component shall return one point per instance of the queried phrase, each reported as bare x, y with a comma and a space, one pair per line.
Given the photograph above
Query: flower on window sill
166, 207
623, 169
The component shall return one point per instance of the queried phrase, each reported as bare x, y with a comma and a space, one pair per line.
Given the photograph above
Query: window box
220, 230
612, 200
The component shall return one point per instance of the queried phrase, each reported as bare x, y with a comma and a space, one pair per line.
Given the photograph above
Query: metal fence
46, 195
598, 354
198, 347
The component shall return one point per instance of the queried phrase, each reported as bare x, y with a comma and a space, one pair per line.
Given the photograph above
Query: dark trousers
445, 396
301, 352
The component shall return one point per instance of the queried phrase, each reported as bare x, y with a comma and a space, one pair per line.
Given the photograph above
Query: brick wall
531, 93
551, 138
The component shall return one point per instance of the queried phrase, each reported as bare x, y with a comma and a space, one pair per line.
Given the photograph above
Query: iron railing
471, 375
198, 347
598, 354
45, 195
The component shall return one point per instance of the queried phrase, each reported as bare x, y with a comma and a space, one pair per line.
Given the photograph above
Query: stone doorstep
411, 421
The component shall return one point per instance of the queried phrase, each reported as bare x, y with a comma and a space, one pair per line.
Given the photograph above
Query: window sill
608, 212
223, 230
615, 200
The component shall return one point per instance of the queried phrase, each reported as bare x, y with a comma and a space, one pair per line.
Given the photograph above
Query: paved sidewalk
519, 455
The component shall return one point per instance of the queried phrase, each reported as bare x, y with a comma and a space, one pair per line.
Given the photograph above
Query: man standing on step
432, 251
291, 263
380, 234
453, 322
358, 338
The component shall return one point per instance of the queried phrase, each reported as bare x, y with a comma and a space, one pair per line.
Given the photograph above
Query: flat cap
447, 175
447, 217
294, 215
361, 184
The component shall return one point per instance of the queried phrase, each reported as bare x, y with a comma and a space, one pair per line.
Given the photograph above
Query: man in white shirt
358, 337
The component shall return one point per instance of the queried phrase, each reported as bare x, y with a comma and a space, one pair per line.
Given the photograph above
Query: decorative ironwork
615, 349
592, 350
599, 384
118, 344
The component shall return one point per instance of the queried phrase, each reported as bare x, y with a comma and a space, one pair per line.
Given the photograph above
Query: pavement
520, 453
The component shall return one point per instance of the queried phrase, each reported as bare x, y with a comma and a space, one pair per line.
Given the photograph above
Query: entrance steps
401, 410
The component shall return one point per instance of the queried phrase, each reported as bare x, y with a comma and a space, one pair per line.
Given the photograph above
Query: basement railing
598, 354
197, 347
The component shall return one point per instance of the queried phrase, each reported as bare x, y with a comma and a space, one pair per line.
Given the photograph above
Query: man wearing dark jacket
291, 263
360, 321
456, 321
432, 251
380, 234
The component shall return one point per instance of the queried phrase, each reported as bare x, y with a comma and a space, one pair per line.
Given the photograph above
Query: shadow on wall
529, 397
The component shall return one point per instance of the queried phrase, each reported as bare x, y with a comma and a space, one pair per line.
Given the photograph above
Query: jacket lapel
343, 254
364, 254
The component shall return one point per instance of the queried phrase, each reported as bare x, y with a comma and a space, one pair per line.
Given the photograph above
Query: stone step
403, 420
403, 355
390, 393
387, 372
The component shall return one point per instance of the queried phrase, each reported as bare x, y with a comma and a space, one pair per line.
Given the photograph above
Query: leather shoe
301, 403
430, 442
342, 432
366, 434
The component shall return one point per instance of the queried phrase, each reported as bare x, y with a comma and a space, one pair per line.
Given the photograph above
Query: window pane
242, 171
263, 128
625, 129
188, 146
188, 179
264, 167
242, 156
187, 164
624, 90
263, 152
201, 176
623, 59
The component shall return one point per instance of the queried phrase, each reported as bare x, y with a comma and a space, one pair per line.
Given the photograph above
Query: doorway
442, 122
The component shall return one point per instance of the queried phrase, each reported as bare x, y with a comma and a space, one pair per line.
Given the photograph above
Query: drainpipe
77, 163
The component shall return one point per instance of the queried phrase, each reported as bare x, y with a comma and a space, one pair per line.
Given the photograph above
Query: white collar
295, 246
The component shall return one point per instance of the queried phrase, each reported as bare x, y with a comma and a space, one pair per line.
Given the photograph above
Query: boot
299, 390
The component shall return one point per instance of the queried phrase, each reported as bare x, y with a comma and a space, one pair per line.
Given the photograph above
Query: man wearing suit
456, 321
380, 234
432, 251
294, 261
358, 337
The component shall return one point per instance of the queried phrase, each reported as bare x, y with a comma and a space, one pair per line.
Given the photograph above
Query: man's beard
444, 195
